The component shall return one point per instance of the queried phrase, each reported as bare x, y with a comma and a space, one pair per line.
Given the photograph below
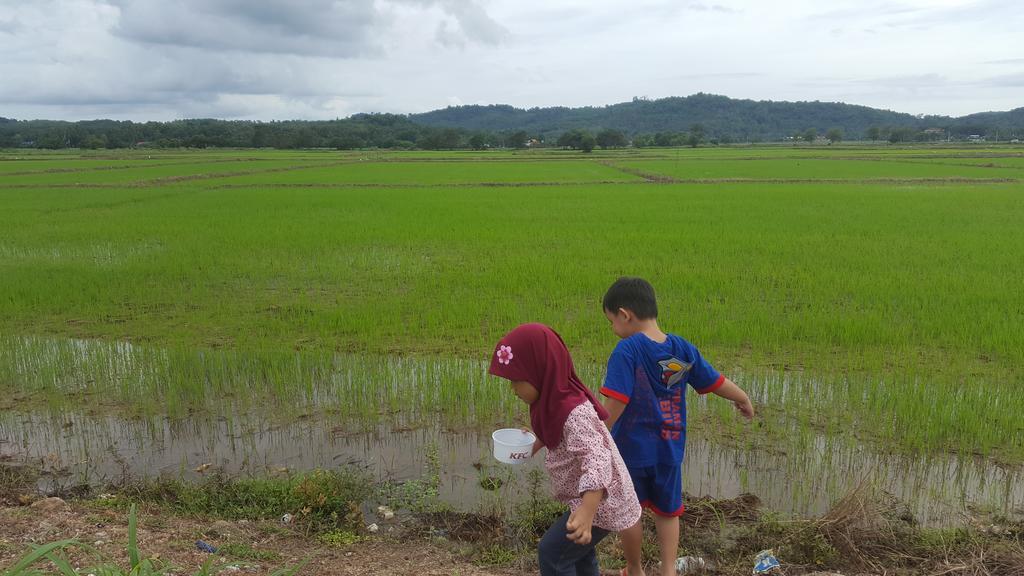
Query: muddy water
802, 480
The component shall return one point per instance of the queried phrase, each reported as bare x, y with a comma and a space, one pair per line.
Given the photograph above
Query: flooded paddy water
184, 415
73, 449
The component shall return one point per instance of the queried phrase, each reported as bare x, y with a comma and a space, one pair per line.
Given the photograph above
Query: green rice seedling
816, 168
869, 289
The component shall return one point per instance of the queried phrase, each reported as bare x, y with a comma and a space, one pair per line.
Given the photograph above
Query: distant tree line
640, 123
360, 131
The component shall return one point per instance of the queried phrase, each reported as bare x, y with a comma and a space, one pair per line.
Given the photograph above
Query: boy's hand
730, 391
745, 407
579, 524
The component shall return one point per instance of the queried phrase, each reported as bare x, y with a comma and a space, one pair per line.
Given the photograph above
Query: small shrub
246, 552
339, 538
496, 555
421, 495
16, 484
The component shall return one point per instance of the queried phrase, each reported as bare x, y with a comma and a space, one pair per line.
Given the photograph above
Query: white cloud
278, 59
328, 28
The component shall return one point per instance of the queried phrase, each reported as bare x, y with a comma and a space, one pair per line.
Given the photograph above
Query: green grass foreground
859, 288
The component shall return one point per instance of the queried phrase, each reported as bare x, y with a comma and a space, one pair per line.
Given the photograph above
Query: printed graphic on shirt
672, 415
673, 371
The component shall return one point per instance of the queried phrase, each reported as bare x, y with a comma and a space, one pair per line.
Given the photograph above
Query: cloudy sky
322, 59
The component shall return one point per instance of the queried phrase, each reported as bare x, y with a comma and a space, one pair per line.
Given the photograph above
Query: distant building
975, 138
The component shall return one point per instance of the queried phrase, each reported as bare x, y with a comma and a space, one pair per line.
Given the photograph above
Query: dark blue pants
560, 556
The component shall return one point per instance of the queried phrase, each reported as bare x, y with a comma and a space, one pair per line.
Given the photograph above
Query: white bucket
512, 445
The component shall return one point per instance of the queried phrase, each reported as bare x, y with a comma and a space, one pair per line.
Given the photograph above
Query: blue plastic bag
204, 547
766, 563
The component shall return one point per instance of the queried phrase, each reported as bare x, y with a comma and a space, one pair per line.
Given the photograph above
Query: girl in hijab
582, 461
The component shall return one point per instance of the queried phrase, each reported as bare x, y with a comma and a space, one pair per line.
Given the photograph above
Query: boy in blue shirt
645, 397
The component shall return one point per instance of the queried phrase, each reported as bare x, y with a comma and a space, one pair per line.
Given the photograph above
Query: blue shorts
659, 488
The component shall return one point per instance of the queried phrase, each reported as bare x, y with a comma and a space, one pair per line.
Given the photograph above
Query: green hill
720, 116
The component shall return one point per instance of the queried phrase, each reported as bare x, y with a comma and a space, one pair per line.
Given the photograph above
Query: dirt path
854, 539
257, 548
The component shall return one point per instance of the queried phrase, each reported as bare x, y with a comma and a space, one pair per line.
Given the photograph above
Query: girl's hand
537, 444
579, 525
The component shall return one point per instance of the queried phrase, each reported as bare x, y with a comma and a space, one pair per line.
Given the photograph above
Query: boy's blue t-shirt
650, 378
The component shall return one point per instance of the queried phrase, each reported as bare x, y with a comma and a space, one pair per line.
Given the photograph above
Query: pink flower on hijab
504, 354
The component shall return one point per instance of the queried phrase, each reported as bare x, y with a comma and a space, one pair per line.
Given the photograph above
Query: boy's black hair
633, 294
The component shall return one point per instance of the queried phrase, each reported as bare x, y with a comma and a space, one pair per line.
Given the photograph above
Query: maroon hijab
537, 354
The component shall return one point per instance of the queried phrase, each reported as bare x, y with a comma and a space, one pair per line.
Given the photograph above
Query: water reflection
803, 479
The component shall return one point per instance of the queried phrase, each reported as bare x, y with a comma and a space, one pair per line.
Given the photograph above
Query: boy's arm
618, 383
614, 408
730, 391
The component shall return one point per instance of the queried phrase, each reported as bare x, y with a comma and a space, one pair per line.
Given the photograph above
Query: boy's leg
667, 504
559, 556
668, 542
632, 540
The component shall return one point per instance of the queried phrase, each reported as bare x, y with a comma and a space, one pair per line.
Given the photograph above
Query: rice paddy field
869, 298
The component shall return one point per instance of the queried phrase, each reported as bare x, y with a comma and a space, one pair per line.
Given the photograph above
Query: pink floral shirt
587, 459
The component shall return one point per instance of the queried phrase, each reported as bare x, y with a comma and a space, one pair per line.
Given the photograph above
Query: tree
609, 138
874, 133
477, 141
643, 140
94, 142
902, 134
666, 139
587, 142
348, 142
573, 139
696, 135
441, 139
810, 134
834, 135
577, 140
518, 139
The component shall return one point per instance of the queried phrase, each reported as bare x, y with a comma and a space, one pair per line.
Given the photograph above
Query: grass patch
339, 538
246, 552
17, 484
495, 555
320, 500
420, 495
